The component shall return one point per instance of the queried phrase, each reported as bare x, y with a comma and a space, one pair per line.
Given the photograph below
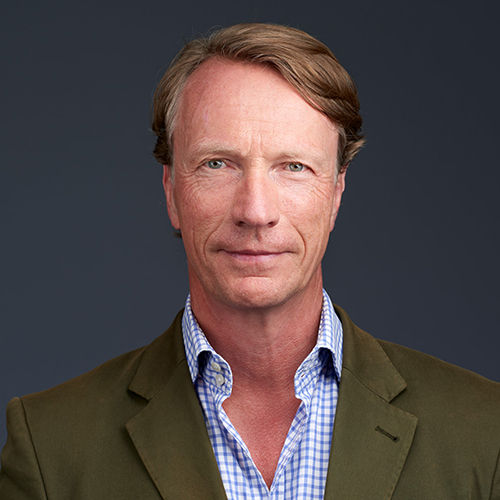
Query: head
304, 62
259, 123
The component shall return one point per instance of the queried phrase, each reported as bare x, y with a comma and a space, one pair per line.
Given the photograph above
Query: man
260, 388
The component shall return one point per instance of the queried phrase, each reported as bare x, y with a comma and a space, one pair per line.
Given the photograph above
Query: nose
256, 201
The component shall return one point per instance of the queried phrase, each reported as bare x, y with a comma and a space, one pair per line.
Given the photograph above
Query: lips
253, 255
253, 252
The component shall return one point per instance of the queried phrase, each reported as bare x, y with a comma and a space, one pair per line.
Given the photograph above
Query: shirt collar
195, 342
198, 349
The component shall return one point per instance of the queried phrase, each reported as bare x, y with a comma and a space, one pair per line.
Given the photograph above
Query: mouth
252, 255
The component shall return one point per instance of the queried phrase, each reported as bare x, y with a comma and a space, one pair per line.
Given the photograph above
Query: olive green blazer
408, 426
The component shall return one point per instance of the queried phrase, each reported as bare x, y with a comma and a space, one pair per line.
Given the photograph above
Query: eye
215, 164
295, 167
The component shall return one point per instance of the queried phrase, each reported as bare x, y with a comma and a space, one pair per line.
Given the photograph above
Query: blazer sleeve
495, 486
20, 475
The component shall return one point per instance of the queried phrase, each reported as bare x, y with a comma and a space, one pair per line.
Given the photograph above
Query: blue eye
215, 164
295, 167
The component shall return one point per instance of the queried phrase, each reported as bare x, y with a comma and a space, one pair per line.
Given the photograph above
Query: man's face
255, 192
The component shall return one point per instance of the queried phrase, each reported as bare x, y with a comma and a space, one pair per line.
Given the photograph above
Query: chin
256, 293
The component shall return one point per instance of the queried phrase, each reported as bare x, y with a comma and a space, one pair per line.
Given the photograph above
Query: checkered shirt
303, 462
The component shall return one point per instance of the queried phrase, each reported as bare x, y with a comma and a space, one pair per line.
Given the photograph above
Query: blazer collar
169, 433
371, 437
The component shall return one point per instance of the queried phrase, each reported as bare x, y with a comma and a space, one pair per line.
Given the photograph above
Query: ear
168, 187
337, 195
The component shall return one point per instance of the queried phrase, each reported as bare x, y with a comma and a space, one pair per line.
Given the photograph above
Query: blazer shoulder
421, 384
410, 360
110, 380
103, 380
445, 384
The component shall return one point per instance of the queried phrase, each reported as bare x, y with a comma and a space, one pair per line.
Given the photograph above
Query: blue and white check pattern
303, 463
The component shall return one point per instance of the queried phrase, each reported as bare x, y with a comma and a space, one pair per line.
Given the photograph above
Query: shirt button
219, 379
215, 366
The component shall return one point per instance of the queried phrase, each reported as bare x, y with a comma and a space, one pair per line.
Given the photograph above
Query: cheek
201, 211
311, 215
312, 205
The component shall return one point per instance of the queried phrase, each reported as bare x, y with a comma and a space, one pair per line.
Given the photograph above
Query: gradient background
88, 264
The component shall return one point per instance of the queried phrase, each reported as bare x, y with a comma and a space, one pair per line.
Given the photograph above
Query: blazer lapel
371, 437
169, 433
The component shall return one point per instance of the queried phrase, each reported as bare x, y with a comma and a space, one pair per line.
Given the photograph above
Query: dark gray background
89, 266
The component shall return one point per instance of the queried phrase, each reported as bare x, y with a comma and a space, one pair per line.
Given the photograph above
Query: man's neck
264, 347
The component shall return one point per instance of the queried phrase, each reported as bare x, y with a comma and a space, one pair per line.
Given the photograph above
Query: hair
304, 62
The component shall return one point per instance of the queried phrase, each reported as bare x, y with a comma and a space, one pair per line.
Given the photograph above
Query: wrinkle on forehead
252, 108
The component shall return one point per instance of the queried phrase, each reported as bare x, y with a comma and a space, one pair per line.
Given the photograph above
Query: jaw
256, 292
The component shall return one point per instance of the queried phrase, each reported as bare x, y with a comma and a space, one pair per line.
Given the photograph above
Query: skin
255, 194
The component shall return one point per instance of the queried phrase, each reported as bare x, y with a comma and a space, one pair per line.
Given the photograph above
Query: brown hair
304, 62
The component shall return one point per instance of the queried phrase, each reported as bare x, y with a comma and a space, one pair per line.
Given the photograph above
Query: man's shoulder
421, 369
107, 385
411, 359
103, 379
425, 384
445, 394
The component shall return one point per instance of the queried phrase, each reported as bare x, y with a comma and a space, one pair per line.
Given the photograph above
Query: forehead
246, 104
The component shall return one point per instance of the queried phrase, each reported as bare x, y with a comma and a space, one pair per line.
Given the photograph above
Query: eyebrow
203, 150
212, 149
